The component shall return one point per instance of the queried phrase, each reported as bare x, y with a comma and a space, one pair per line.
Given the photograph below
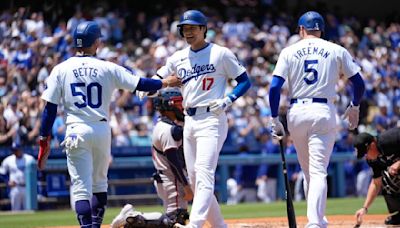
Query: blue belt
192, 111
314, 100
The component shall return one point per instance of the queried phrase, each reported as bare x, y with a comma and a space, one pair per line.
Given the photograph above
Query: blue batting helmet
192, 17
86, 33
312, 20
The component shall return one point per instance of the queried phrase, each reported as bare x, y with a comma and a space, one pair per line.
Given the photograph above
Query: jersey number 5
87, 97
308, 69
207, 83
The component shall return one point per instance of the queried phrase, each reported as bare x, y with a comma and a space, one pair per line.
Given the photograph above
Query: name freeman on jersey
85, 71
311, 51
195, 72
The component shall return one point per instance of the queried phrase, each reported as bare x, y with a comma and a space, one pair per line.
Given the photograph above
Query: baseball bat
289, 201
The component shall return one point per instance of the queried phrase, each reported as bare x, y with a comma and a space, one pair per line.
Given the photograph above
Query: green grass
253, 210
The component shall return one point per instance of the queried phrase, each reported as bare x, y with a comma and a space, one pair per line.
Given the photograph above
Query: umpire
383, 156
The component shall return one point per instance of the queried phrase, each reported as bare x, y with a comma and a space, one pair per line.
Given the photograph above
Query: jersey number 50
88, 96
308, 69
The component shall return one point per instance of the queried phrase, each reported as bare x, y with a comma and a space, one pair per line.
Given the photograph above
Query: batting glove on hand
44, 151
71, 141
278, 131
220, 105
352, 114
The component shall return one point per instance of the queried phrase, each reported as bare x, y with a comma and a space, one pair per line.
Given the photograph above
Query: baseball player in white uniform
14, 165
84, 85
204, 69
312, 67
170, 179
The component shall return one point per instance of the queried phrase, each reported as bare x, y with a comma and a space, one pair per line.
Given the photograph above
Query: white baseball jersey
203, 72
85, 85
312, 68
16, 167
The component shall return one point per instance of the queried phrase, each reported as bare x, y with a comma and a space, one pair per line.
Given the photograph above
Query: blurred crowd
31, 45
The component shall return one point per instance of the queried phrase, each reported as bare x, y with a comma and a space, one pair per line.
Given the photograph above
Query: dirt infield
335, 221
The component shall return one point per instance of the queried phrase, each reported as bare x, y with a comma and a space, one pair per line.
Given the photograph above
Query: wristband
366, 210
42, 137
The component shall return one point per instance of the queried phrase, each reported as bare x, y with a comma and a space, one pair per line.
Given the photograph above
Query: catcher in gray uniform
170, 178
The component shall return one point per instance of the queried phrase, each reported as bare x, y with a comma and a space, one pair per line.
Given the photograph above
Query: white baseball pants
203, 137
312, 127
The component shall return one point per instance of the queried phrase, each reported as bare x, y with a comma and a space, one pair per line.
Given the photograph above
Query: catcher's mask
170, 99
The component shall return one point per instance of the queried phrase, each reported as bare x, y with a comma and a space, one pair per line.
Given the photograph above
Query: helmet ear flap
180, 30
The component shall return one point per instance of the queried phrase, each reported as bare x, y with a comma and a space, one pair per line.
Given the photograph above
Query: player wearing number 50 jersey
311, 68
204, 69
84, 85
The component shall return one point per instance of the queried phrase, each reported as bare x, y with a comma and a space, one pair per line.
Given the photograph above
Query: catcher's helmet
312, 20
86, 33
170, 99
192, 17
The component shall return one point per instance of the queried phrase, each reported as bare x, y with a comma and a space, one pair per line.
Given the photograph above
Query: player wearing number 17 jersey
204, 69
84, 85
312, 67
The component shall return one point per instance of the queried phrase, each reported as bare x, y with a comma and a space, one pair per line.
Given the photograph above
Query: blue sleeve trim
241, 88
358, 88
48, 116
275, 94
148, 84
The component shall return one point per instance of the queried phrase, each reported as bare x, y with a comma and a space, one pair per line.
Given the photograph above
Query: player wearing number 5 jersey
311, 68
204, 69
84, 85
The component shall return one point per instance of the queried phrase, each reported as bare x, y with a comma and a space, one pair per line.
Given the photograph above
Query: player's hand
44, 152
188, 193
220, 105
171, 81
394, 168
142, 94
71, 141
12, 183
359, 215
352, 114
278, 131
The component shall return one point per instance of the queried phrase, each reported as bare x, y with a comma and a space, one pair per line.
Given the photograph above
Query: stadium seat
56, 185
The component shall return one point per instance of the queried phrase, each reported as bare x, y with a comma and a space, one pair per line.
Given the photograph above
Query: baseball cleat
135, 219
119, 221
178, 225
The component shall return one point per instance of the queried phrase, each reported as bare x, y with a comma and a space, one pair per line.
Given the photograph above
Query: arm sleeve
148, 84
176, 165
275, 94
48, 116
241, 88
358, 88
